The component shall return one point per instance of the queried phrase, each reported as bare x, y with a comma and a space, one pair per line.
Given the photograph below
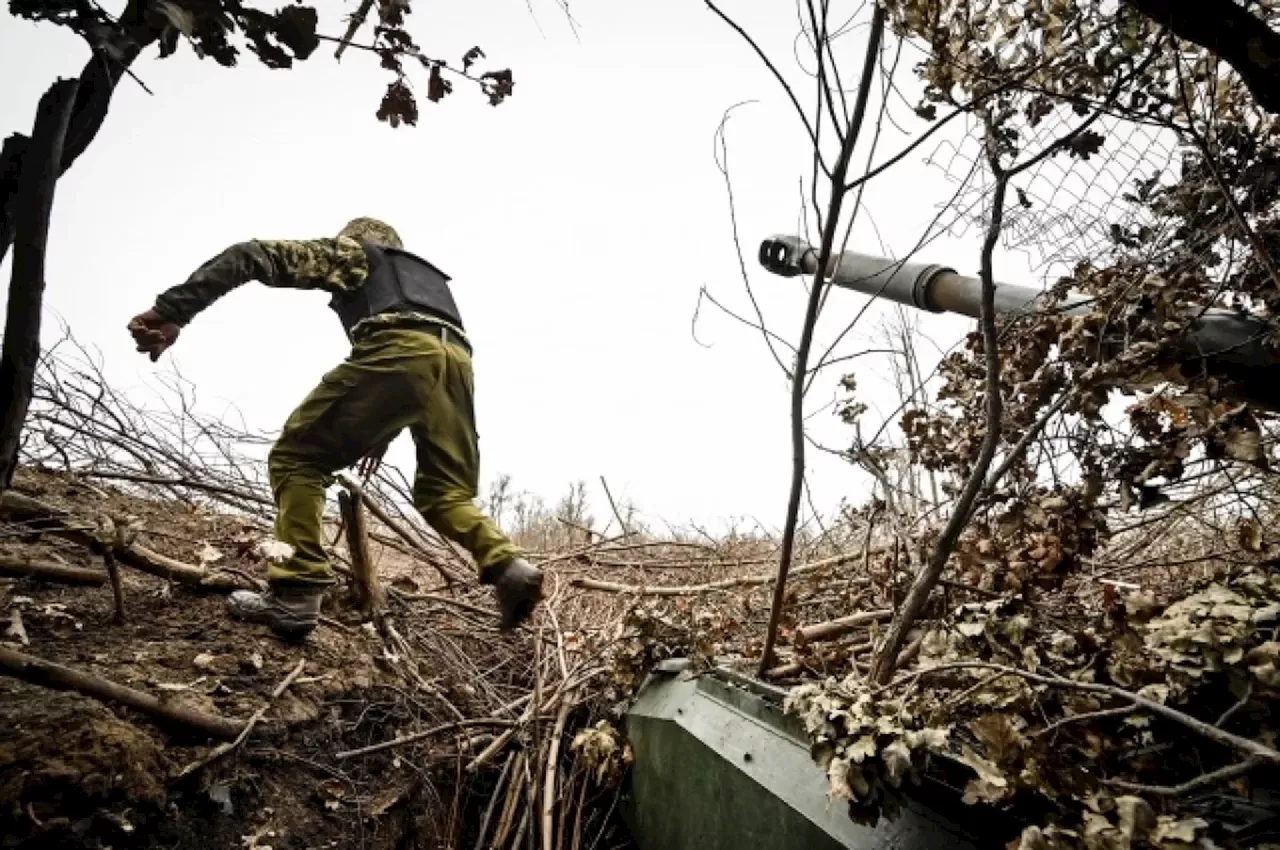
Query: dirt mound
80, 772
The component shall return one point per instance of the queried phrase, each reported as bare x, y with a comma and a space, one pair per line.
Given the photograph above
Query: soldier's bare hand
153, 334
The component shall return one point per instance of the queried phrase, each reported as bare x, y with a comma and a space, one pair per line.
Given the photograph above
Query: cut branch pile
173, 503
1046, 706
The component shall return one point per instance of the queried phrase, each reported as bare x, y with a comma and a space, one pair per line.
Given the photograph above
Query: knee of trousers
285, 461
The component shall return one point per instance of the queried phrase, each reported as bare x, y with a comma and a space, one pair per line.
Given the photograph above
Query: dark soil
79, 773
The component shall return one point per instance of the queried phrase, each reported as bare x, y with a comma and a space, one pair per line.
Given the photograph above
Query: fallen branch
838, 627
677, 565
509, 805
494, 797
443, 600
695, 589
573, 555
622, 524
217, 489
418, 736
502, 740
49, 571
47, 519
224, 748
51, 675
1088, 715
117, 589
1240, 703
289, 680
782, 671
1258, 752
549, 783
913, 649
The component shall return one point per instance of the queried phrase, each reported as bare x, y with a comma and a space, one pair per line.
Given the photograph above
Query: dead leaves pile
603, 752
1224, 631
1120, 824
1038, 744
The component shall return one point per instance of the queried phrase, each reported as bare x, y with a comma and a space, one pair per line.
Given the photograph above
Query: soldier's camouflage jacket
333, 265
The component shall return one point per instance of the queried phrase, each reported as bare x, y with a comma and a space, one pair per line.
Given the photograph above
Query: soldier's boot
290, 612
517, 585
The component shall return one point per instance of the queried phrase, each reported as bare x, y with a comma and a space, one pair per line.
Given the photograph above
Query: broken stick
49, 571
117, 591
839, 626
418, 736
696, 589
48, 674
226, 747
368, 593
552, 769
385, 518
47, 519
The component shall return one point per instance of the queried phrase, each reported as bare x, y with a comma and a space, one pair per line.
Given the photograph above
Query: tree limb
368, 593
21, 344
46, 519
418, 736
50, 675
49, 571
385, 518
806, 338
695, 589
1207, 780
839, 626
1224, 28
1246, 746
927, 578
97, 82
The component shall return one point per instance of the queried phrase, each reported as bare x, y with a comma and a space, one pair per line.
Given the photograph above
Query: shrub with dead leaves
1061, 720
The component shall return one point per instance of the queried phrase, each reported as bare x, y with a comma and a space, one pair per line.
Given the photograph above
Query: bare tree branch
806, 339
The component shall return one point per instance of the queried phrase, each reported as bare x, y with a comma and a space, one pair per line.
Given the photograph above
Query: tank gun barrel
935, 288
1224, 343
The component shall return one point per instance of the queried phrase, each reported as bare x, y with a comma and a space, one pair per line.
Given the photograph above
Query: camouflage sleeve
332, 265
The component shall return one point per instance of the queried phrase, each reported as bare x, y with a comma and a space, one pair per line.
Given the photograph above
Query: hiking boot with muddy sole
291, 614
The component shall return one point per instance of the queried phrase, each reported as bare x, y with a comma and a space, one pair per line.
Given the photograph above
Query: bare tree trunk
21, 346
110, 61
800, 376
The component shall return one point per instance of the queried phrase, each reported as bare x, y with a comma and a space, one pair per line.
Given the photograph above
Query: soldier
409, 367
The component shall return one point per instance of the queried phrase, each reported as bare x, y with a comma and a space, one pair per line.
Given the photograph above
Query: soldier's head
372, 230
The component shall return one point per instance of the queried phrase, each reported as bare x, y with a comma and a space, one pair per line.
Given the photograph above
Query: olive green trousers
394, 378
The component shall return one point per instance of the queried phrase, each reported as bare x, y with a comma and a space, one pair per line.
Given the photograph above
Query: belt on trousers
438, 329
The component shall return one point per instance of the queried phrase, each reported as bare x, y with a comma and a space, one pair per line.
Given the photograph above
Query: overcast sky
579, 221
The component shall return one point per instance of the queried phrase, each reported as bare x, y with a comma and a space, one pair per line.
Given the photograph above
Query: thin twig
1088, 715
1241, 703
1210, 779
1248, 747
806, 338
418, 736
289, 680
882, 668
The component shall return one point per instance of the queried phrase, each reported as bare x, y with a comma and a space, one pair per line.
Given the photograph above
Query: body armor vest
398, 282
